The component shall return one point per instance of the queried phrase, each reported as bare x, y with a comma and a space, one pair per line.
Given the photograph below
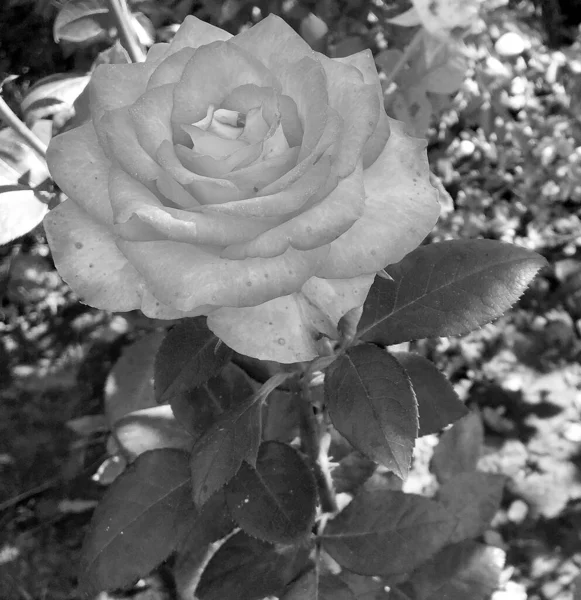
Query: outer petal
115, 86
274, 42
317, 226
291, 325
401, 208
157, 52
118, 133
153, 308
185, 277
81, 169
366, 64
171, 68
151, 118
194, 33
221, 67
87, 258
359, 105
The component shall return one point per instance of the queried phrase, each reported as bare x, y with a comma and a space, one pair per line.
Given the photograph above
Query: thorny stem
403, 59
118, 9
315, 444
8, 116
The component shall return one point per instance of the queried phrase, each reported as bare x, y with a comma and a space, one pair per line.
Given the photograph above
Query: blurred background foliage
505, 144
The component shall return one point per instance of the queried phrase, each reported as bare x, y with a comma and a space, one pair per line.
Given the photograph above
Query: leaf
408, 18
198, 409
82, 20
139, 522
461, 571
19, 163
577, 588
51, 95
151, 429
189, 355
21, 210
276, 500
372, 404
438, 403
219, 453
447, 288
312, 586
129, 385
459, 448
280, 417
387, 533
365, 588
473, 498
245, 568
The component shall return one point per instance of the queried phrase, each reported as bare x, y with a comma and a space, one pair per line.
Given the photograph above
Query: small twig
315, 444
404, 58
125, 31
8, 116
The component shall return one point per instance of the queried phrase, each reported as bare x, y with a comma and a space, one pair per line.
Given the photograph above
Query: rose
245, 178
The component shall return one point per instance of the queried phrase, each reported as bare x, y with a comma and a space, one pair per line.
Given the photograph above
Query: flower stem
315, 444
8, 116
404, 58
120, 13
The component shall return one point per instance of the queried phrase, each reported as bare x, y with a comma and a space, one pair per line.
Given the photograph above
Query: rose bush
245, 178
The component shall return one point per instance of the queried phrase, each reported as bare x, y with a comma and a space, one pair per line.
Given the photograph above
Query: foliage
204, 447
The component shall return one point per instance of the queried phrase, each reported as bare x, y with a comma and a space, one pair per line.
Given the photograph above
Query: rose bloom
245, 178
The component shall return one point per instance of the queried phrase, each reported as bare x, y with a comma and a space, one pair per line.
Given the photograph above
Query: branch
118, 9
8, 116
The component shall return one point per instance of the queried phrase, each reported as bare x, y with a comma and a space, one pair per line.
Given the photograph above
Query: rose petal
78, 151
291, 123
366, 64
194, 33
317, 226
118, 131
171, 68
157, 52
401, 208
151, 307
212, 167
284, 202
185, 277
151, 118
210, 144
175, 193
259, 174
290, 325
87, 258
205, 190
131, 199
359, 105
116, 86
274, 42
221, 66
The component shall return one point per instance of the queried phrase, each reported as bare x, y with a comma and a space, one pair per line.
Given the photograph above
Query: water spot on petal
78, 245
249, 283
281, 341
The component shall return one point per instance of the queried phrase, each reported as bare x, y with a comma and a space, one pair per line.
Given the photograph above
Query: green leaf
21, 210
219, 453
140, 521
352, 472
82, 20
473, 498
151, 429
129, 385
365, 588
448, 288
276, 500
189, 355
198, 409
280, 417
461, 571
438, 403
459, 448
313, 586
245, 568
51, 95
387, 533
372, 404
